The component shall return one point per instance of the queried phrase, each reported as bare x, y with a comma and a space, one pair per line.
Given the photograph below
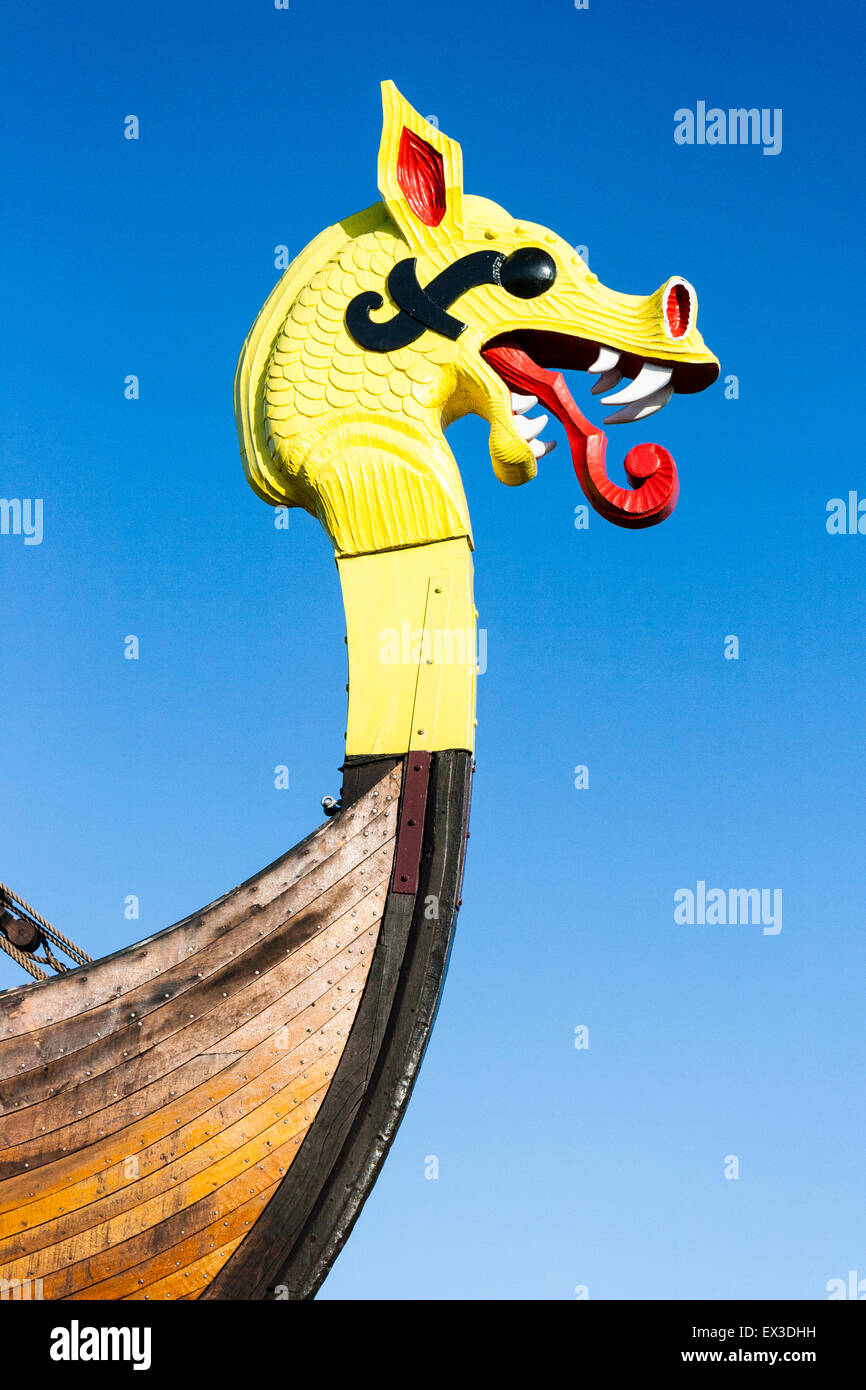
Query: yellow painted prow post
410, 623
357, 440
389, 326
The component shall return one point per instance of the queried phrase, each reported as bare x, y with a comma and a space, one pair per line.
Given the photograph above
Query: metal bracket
410, 830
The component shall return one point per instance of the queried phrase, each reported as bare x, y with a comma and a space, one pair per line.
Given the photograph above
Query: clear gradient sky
559, 1167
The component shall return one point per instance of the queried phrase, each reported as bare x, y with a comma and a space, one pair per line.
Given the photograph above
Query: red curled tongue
650, 467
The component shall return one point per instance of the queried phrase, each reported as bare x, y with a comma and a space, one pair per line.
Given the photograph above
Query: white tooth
607, 380
649, 379
527, 427
520, 404
638, 410
540, 447
606, 359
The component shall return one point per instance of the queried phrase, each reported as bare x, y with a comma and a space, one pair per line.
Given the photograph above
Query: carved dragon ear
420, 174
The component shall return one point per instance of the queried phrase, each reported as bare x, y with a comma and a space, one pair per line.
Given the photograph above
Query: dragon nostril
527, 272
678, 309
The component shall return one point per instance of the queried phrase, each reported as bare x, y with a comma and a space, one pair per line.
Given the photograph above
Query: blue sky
558, 1167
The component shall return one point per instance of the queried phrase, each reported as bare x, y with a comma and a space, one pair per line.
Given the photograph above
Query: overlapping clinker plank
201, 1273
128, 1246
124, 1130
212, 1117
80, 1115
110, 1238
190, 1150
168, 1030
58, 1042
28, 1008
250, 1052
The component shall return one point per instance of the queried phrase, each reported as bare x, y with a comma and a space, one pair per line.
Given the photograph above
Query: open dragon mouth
524, 361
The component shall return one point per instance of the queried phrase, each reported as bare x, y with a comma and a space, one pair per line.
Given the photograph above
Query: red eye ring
677, 308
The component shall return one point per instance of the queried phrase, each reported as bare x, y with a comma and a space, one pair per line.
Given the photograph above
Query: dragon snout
642, 352
666, 318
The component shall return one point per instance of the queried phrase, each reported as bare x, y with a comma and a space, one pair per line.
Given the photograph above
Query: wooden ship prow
202, 1114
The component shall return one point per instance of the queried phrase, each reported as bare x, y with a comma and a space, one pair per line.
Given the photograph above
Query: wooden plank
219, 1141
29, 1008
426, 961
22, 1052
272, 996
361, 774
200, 1274
128, 1255
306, 1222
176, 1028
253, 1049
188, 1151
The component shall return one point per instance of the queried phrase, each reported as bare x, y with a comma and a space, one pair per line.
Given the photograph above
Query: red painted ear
421, 176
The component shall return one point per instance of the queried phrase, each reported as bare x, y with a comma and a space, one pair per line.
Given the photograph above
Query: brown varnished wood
33, 1007
213, 1115
189, 1150
158, 1140
218, 1007
257, 1125
351, 1177
250, 1051
198, 1275
294, 1243
127, 1251
302, 903
360, 774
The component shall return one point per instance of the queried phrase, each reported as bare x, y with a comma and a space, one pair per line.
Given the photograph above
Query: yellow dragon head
430, 305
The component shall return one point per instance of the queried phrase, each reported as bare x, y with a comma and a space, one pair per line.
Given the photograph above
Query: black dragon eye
527, 272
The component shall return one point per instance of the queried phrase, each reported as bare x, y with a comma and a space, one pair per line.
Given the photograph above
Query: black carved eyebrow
527, 272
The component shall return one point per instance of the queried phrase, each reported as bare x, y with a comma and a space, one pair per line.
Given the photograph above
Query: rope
73, 951
50, 959
24, 961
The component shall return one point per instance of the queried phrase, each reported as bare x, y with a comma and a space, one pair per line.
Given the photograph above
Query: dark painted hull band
295, 1241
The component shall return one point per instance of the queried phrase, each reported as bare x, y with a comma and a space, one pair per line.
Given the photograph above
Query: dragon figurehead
432, 304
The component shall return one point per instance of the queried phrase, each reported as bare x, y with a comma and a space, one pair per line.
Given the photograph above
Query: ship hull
203, 1114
